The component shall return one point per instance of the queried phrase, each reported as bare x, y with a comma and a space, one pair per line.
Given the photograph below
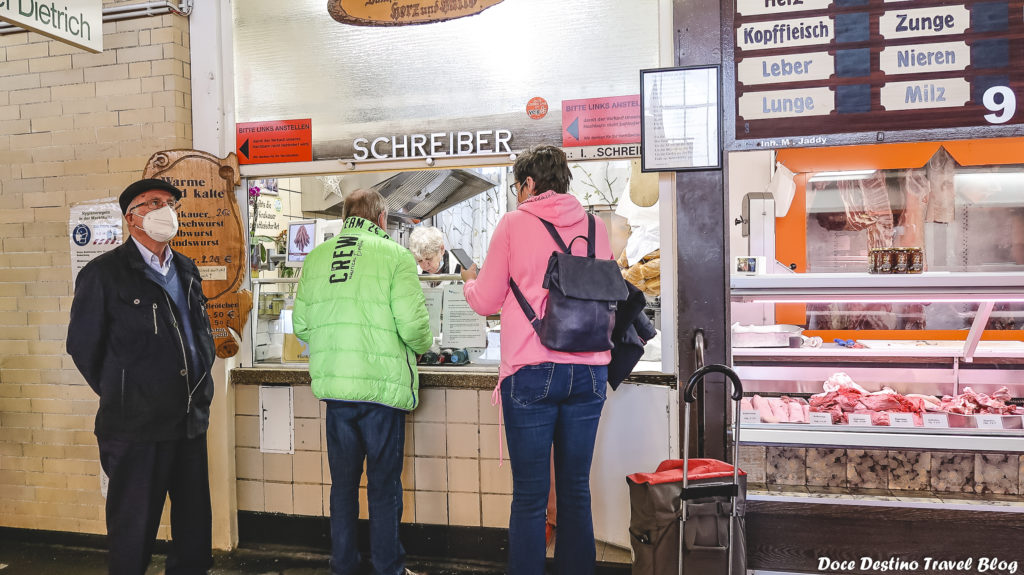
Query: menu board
806, 68
211, 233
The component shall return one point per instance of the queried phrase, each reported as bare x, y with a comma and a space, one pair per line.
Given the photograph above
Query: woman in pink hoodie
548, 398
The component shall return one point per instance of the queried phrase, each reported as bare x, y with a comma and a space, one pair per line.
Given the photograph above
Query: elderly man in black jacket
140, 336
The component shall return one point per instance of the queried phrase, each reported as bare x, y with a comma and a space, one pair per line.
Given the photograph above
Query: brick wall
73, 126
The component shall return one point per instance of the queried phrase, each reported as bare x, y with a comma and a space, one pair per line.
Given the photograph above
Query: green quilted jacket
360, 308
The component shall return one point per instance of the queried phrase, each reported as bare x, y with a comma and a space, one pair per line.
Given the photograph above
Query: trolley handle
690, 391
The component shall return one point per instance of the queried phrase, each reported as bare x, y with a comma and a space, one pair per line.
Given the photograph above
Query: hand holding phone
464, 260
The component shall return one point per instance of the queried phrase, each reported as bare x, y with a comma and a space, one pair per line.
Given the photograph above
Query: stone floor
31, 558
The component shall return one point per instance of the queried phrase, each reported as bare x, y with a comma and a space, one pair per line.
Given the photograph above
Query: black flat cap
143, 186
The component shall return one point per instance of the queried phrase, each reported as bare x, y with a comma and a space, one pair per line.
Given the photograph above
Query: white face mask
161, 224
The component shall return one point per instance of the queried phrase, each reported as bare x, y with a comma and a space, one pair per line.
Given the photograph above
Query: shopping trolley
697, 495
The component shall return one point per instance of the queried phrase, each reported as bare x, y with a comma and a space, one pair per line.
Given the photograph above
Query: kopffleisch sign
75, 22
211, 233
403, 12
806, 67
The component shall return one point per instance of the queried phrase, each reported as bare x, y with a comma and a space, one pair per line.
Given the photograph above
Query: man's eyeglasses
157, 204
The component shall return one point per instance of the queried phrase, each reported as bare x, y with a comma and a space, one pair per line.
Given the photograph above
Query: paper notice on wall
434, 297
94, 227
460, 325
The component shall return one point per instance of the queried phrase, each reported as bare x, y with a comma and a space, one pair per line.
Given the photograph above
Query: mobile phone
464, 260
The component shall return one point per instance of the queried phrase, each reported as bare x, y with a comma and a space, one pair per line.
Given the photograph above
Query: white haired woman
427, 246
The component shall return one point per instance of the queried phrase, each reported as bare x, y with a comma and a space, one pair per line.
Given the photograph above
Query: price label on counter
747, 416
936, 420
901, 420
819, 418
989, 421
860, 419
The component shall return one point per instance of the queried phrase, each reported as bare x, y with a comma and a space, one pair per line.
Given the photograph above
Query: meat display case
929, 367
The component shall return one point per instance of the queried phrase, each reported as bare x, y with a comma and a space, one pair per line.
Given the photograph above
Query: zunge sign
75, 22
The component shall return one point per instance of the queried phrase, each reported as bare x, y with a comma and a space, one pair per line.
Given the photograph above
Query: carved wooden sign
211, 233
403, 12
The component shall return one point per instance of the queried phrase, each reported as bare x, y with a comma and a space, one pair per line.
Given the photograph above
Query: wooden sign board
808, 68
211, 233
403, 12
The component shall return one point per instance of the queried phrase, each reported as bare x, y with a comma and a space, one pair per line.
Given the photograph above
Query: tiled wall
74, 126
451, 474
902, 471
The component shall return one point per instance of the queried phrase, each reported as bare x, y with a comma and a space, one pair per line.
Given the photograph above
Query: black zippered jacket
125, 339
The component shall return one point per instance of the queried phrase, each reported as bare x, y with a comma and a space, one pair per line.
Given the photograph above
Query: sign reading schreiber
814, 67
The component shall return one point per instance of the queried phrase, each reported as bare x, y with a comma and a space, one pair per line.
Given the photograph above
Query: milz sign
75, 22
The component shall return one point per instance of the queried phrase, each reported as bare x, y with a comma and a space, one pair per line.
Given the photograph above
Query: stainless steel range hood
413, 195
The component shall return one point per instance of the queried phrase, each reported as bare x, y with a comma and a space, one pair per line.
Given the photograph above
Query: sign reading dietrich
211, 233
813, 67
75, 22
403, 12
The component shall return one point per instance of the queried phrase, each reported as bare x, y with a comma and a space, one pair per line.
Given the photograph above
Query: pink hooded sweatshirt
520, 248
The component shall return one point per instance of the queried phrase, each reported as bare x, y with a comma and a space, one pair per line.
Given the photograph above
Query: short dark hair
547, 166
366, 204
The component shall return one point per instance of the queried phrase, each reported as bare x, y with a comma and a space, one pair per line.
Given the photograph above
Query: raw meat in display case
842, 397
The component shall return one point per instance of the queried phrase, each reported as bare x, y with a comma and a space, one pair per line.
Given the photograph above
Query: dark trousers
142, 474
358, 432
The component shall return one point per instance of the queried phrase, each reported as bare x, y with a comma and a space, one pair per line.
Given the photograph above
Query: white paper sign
213, 273
989, 421
460, 325
747, 416
434, 297
94, 227
860, 419
936, 420
901, 419
820, 418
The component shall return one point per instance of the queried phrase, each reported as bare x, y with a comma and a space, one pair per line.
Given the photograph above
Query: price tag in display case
989, 421
936, 420
901, 420
819, 418
860, 419
747, 416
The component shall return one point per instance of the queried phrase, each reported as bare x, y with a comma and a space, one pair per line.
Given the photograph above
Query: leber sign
75, 22
273, 142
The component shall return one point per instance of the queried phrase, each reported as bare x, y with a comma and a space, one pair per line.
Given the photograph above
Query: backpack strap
525, 305
590, 237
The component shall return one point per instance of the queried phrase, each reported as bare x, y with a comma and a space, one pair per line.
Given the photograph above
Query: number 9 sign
1001, 101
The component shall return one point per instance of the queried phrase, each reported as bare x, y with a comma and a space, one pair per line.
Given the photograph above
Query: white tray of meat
977, 410
765, 335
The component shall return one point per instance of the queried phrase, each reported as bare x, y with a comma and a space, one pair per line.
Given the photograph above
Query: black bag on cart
688, 516
654, 522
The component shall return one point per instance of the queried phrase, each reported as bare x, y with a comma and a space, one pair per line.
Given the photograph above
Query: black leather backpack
583, 294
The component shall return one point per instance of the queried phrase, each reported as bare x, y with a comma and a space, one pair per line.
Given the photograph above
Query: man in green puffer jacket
361, 309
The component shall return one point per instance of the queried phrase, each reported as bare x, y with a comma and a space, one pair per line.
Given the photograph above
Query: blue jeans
544, 405
376, 433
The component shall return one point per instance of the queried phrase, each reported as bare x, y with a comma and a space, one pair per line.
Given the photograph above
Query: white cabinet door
639, 429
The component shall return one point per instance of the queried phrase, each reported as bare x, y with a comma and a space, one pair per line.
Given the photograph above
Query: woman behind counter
547, 397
